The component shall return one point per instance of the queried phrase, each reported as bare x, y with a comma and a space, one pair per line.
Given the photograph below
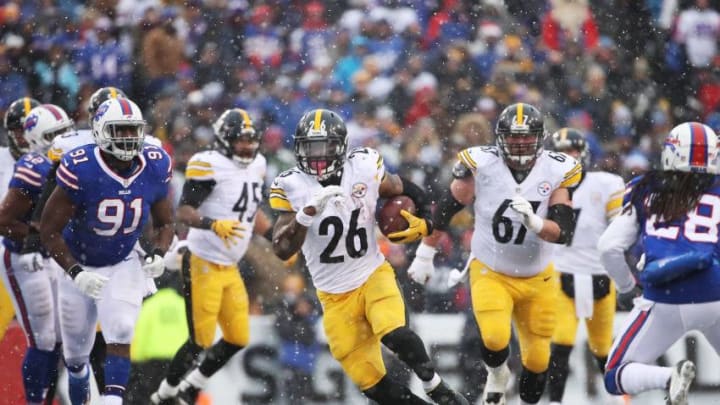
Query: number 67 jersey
340, 248
110, 209
500, 240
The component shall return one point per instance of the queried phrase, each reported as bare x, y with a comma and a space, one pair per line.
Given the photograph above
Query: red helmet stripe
126, 109
54, 111
698, 145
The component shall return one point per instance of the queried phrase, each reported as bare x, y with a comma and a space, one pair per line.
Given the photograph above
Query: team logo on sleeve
359, 190
544, 189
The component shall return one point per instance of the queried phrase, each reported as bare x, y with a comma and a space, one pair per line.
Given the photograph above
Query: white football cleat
682, 376
497, 381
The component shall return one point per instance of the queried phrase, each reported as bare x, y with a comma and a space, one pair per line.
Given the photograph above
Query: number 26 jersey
340, 247
500, 240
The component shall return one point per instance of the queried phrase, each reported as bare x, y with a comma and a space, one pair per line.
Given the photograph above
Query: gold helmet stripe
26, 105
316, 123
247, 123
519, 115
113, 92
563, 134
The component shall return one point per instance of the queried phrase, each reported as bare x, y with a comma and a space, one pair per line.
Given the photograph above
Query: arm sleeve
619, 236
195, 192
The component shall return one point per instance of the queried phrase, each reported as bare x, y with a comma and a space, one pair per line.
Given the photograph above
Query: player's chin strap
459, 276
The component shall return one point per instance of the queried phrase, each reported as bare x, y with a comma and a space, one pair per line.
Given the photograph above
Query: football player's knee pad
120, 330
612, 380
537, 354
76, 363
39, 298
497, 338
45, 339
238, 333
364, 366
543, 320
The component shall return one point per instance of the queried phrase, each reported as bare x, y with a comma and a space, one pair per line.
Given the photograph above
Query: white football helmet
43, 124
119, 128
691, 147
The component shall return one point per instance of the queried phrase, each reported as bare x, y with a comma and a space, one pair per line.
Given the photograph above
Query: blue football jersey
29, 176
111, 209
697, 231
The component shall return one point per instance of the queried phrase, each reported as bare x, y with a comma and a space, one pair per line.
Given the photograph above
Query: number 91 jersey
110, 210
500, 240
237, 194
340, 248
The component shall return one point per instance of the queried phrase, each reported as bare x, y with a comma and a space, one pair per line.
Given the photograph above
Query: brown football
389, 219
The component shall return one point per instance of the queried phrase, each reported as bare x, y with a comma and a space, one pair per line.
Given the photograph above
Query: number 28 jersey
236, 195
340, 248
500, 240
110, 210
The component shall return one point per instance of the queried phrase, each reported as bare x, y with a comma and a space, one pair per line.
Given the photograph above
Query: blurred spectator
295, 321
698, 29
103, 61
569, 21
56, 78
162, 55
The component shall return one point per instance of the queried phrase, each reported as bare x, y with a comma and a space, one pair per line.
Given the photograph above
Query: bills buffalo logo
544, 188
30, 122
359, 190
101, 111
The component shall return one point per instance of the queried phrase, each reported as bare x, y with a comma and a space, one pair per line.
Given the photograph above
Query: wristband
74, 270
304, 219
425, 251
206, 223
535, 223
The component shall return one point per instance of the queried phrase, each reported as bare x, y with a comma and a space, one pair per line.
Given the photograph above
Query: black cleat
444, 395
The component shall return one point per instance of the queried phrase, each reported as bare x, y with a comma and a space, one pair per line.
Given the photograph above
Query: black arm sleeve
565, 218
418, 196
446, 209
32, 241
195, 192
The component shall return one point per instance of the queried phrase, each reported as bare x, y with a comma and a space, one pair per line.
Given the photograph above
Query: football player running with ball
586, 290
327, 208
522, 201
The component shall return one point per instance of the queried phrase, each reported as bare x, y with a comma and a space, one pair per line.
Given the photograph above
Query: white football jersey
500, 240
7, 165
237, 194
596, 201
67, 142
340, 248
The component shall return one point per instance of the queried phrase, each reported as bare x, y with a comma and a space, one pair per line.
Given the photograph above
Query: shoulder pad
629, 188
367, 160
478, 156
159, 160
200, 167
279, 190
460, 171
569, 168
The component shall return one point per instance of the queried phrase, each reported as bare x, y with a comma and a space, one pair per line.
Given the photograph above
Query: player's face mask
245, 147
520, 150
126, 138
320, 157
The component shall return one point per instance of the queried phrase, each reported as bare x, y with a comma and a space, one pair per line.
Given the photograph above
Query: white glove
422, 267
30, 262
529, 218
153, 266
91, 284
318, 201
173, 258
320, 198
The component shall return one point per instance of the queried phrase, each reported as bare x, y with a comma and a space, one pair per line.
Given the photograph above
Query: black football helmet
571, 139
233, 125
320, 143
520, 132
13, 123
102, 95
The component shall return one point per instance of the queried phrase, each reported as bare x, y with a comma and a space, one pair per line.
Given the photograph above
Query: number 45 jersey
236, 194
340, 248
500, 240
111, 210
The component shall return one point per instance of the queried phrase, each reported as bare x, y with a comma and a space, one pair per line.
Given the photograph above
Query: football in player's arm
220, 203
327, 208
105, 195
522, 201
